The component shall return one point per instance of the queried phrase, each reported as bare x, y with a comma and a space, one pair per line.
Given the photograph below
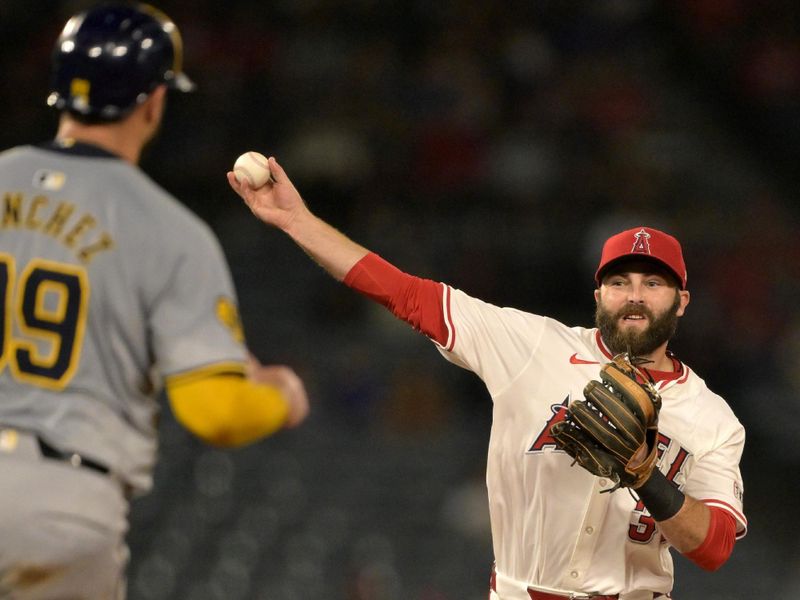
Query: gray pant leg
62, 530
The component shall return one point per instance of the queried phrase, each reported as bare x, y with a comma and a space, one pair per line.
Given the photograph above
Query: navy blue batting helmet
108, 59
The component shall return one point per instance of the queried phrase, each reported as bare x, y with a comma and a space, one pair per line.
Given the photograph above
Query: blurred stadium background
492, 146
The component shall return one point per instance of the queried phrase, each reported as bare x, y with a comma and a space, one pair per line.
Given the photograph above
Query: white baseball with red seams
254, 167
551, 527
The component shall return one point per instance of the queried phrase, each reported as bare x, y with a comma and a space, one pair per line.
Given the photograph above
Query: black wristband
661, 497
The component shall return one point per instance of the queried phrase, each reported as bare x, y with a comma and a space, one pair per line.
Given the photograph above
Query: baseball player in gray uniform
110, 292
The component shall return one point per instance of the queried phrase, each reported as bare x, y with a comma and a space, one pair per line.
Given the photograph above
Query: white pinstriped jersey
108, 285
550, 525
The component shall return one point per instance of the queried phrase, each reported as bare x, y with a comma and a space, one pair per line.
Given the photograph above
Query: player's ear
684, 300
597, 296
154, 105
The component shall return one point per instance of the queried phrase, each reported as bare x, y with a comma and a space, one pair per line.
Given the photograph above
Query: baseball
252, 166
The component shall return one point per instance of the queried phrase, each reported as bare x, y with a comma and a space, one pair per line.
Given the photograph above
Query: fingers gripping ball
253, 167
612, 432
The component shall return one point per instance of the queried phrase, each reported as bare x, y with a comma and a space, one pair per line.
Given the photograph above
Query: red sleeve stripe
448, 319
740, 518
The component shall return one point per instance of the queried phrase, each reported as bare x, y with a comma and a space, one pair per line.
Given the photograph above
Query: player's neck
660, 360
114, 137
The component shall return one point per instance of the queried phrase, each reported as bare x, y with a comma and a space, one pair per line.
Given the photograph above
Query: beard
637, 343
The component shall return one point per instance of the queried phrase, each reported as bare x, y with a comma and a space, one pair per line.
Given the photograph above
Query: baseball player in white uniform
110, 291
555, 534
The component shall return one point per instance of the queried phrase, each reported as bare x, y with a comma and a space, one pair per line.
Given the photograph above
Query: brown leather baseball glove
612, 432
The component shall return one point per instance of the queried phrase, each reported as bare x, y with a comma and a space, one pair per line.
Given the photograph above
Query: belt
538, 595
573, 596
73, 458
579, 596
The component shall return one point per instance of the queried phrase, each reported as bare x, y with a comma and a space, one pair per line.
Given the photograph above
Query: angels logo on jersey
545, 439
642, 525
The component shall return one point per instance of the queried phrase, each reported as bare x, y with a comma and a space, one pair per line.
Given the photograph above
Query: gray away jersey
108, 285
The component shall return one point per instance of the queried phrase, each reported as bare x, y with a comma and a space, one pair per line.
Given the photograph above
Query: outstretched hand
277, 202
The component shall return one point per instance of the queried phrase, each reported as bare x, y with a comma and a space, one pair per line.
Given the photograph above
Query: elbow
709, 563
226, 412
718, 545
222, 439
233, 429
217, 434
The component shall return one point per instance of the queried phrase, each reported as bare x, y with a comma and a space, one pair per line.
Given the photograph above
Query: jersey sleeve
194, 316
716, 479
496, 343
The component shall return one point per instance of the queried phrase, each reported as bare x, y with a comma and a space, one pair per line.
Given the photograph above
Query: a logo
8, 440
52, 181
574, 360
79, 90
228, 314
545, 439
641, 242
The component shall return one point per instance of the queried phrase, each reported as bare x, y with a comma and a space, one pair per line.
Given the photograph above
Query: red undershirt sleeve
718, 545
416, 301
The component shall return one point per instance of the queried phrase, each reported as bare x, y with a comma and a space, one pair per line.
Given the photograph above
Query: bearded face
637, 342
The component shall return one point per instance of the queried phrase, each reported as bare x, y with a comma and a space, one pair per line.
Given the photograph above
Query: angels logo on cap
641, 244
644, 242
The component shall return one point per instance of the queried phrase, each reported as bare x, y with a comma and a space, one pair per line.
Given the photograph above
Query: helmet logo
641, 243
79, 91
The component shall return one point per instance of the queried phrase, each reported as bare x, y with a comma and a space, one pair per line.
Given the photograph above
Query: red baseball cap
643, 243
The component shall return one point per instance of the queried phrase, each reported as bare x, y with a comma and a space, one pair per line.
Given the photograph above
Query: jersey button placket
584, 545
